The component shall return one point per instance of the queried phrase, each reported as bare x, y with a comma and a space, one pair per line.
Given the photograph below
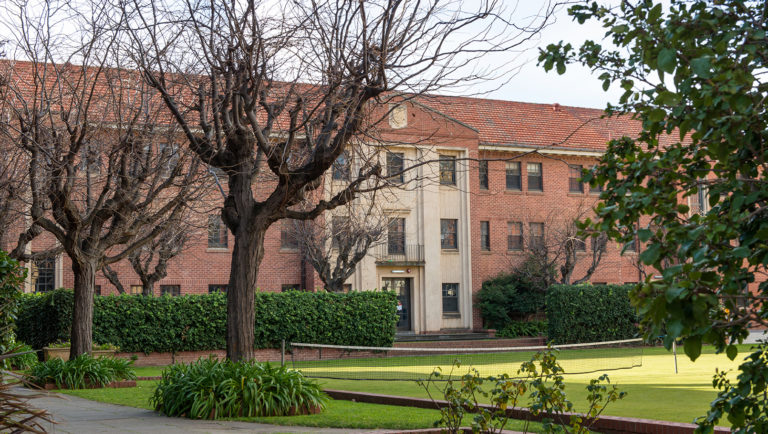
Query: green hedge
198, 322
508, 298
587, 313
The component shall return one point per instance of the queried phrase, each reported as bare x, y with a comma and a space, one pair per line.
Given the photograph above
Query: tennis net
401, 363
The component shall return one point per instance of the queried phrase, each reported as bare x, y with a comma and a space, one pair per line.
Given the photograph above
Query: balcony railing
409, 254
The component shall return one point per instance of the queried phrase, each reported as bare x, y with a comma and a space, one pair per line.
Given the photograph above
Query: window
450, 298
137, 289
395, 167
698, 202
483, 170
448, 235
346, 288
90, 159
172, 290
514, 236
217, 232
599, 243
288, 238
97, 290
535, 182
447, 170
485, 236
339, 228
290, 287
630, 246
341, 167
396, 236
217, 287
514, 180
574, 179
537, 235
596, 189
45, 270
168, 158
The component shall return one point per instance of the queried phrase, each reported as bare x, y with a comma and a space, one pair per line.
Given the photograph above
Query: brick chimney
556, 107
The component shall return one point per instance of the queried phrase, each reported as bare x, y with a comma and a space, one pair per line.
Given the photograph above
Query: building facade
489, 180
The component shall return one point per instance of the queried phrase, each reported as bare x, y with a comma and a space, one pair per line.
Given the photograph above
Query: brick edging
605, 424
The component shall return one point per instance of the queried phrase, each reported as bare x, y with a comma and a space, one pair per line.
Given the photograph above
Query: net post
282, 352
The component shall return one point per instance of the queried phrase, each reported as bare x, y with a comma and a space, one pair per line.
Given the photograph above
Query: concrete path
78, 415
754, 335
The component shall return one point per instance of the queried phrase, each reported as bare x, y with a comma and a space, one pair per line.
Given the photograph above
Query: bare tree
105, 176
556, 247
150, 262
286, 91
336, 242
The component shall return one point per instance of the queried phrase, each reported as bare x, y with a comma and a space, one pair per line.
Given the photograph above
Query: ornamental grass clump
82, 372
210, 389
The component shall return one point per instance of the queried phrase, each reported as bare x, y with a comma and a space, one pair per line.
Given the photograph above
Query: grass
338, 414
654, 392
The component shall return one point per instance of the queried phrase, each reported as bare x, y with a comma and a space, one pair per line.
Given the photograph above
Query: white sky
577, 87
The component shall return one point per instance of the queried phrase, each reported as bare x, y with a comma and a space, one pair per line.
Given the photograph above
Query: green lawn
338, 414
654, 392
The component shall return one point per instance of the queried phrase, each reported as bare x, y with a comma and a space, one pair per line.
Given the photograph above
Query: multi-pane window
217, 232
395, 167
168, 154
483, 170
97, 290
448, 234
288, 239
46, 274
574, 179
290, 287
339, 228
90, 159
535, 177
599, 243
485, 236
450, 297
218, 287
172, 290
596, 189
341, 167
447, 170
698, 202
137, 289
579, 245
514, 236
396, 236
514, 179
537, 235
631, 246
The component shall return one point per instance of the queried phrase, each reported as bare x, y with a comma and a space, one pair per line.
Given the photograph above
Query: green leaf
667, 60
651, 254
692, 347
701, 66
731, 351
657, 115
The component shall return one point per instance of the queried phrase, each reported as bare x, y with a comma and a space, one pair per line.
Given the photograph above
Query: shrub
523, 328
198, 322
81, 372
586, 313
211, 389
22, 361
12, 276
95, 346
509, 297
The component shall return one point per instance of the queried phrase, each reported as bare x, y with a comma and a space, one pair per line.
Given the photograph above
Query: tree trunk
147, 287
82, 311
246, 258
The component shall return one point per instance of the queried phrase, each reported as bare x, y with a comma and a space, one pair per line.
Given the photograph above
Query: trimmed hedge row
587, 313
198, 322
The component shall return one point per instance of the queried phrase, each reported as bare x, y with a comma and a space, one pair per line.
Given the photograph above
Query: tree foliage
693, 76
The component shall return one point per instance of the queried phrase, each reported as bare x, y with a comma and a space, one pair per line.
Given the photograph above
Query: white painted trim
542, 150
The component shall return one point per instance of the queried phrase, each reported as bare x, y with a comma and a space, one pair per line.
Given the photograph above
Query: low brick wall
273, 354
606, 424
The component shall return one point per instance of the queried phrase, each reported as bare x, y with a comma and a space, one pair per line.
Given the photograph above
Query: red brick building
502, 174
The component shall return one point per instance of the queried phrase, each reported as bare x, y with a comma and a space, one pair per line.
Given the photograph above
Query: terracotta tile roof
510, 123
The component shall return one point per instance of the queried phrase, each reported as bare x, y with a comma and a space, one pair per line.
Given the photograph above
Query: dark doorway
402, 287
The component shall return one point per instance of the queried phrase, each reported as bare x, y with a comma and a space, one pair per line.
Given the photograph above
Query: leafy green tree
693, 184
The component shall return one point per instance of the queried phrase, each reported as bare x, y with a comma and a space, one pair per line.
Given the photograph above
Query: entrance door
402, 287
